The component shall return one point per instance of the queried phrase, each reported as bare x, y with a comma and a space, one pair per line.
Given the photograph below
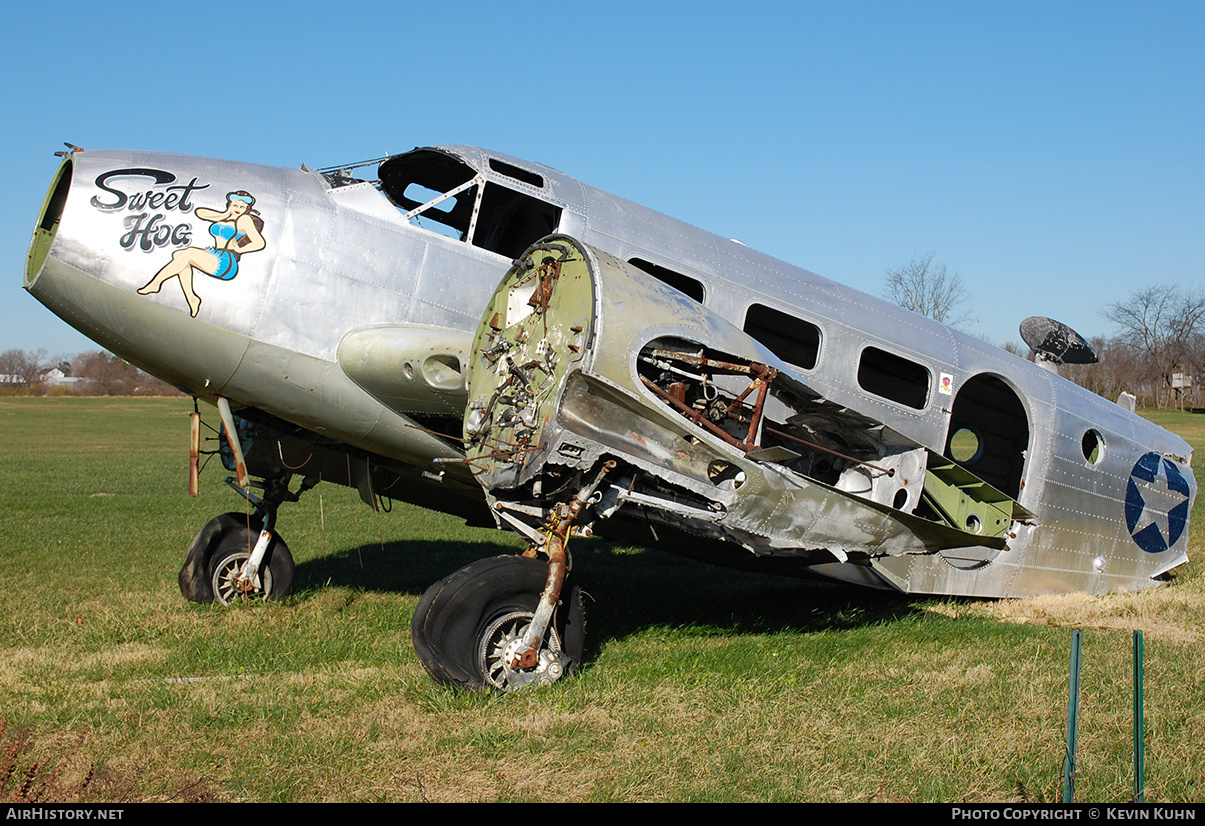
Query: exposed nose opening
48, 223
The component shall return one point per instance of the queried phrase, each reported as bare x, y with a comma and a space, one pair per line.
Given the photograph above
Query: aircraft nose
48, 223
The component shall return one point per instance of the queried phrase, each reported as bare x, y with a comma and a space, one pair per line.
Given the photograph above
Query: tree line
96, 373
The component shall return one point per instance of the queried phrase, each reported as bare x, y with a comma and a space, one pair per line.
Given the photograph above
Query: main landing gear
219, 563
469, 628
508, 622
239, 556
499, 624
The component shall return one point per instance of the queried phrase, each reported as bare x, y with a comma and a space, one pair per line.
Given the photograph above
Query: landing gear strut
508, 622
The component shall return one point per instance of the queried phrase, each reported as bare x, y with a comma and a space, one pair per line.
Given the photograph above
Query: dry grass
1170, 613
31, 773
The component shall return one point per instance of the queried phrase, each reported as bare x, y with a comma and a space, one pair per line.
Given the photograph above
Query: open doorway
989, 433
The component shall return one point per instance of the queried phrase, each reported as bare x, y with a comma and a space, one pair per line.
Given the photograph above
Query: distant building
54, 377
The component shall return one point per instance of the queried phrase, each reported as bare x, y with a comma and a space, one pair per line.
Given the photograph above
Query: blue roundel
1149, 496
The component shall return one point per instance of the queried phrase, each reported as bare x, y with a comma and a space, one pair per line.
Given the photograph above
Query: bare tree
21, 369
105, 374
930, 289
1116, 370
1163, 325
1016, 348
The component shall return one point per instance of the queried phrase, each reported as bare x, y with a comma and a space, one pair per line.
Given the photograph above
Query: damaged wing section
582, 360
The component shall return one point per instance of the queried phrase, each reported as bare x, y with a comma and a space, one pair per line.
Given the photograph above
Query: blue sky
1051, 154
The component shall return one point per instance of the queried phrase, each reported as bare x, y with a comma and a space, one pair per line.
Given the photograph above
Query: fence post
1139, 739
1072, 720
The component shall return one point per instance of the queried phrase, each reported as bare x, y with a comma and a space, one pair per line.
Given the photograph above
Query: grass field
700, 683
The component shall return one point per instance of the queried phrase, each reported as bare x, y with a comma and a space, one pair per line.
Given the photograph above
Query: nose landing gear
238, 557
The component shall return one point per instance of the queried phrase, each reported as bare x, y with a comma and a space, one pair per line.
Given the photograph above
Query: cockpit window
439, 192
512, 171
441, 183
510, 221
440, 215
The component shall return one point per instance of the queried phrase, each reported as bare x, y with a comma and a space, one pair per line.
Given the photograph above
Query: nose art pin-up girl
236, 232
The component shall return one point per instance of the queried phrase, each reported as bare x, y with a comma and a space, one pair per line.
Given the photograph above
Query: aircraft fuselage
347, 308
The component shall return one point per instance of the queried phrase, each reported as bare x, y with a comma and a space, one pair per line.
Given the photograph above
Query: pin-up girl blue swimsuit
227, 259
230, 232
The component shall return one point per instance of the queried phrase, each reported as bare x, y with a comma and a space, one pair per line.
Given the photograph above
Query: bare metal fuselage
356, 324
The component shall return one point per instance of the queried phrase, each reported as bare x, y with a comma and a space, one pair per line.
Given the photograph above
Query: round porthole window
1093, 445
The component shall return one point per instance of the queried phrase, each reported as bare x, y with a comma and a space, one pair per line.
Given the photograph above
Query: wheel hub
501, 644
229, 584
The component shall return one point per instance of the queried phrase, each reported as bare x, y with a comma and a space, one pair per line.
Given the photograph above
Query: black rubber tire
456, 612
235, 545
195, 574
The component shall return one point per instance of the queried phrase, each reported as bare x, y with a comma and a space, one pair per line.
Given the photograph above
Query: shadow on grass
407, 567
629, 589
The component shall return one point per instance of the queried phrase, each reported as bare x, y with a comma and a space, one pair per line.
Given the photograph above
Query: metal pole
1072, 720
1139, 740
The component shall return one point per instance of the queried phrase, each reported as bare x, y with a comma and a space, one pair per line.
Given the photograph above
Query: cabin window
792, 339
894, 377
682, 283
965, 446
510, 221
